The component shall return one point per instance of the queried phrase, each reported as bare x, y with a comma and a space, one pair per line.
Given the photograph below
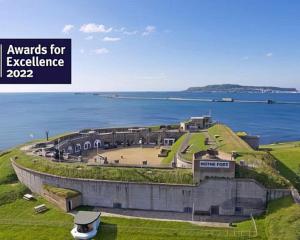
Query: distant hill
239, 88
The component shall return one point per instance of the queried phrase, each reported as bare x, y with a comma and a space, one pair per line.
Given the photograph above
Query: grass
288, 160
175, 147
7, 174
11, 191
18, 221
283, 220
196, 143
228, 141
81, 170
61, 192
262, 166
10, 188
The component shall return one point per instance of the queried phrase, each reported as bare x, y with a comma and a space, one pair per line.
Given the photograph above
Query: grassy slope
7, 174
228, 140
175, 147
62, 192
178, 176
196, 144
283, 220
10, 188
288, 155
264, 164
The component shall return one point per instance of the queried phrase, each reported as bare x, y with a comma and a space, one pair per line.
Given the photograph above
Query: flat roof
86, 217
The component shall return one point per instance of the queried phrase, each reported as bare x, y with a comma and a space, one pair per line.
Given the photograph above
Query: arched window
70, 149
87, 145
77, 147
97, 143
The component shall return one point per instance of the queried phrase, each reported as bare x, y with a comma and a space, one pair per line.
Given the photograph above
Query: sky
155, 45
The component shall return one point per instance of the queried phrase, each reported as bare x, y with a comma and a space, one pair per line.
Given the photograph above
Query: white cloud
111, 39
269, 54
125, 31
67, 28
93, 28
89, 37
130, 32
148, 30
101, 51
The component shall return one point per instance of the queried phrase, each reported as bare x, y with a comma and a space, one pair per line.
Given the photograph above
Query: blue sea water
26, 116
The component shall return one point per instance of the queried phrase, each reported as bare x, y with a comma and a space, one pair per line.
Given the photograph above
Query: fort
188, 148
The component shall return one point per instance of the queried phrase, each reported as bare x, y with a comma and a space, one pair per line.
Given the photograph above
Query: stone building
211, 164
196, 123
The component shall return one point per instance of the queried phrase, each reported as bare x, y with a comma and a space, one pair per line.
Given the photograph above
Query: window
117, 205
77, 147
188, 210
70, 149
97, 143
87, 145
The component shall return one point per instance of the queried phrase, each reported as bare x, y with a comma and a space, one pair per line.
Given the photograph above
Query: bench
28, 197
40, 208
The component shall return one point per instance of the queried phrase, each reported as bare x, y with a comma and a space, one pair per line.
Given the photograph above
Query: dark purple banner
35, 61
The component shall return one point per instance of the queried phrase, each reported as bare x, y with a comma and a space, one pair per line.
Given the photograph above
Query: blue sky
150, 45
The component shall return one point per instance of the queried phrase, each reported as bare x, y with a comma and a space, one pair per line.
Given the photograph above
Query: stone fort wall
229, 196
120, 136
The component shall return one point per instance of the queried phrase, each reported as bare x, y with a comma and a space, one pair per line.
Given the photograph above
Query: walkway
295, 195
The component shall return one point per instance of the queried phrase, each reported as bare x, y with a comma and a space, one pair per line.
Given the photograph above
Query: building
86, 224
212, 164
253, 141
196, 123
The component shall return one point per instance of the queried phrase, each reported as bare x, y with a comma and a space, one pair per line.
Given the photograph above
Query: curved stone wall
226, 194
75, 143
182, 163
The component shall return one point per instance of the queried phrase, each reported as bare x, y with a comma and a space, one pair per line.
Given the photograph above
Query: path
295, 195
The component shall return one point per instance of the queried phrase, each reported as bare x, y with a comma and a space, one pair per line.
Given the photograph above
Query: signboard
35, 61
214, 164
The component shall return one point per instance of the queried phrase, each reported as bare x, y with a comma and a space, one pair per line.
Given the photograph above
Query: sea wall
212, 196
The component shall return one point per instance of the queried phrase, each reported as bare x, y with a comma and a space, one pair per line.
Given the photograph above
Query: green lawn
18, 221
175, 147
288, 156
196, 143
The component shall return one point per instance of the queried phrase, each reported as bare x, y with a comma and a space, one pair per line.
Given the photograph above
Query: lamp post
193, 210
58, 149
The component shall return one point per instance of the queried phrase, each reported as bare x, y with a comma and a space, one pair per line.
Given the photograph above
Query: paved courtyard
133, 155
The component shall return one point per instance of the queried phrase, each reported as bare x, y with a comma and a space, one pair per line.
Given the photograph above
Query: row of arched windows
87, 145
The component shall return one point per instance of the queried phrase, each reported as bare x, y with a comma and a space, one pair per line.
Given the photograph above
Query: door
214, 210
70, 207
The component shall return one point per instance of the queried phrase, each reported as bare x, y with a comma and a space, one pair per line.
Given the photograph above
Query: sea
27, 116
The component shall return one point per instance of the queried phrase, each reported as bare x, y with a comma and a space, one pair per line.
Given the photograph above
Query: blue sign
35, 61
